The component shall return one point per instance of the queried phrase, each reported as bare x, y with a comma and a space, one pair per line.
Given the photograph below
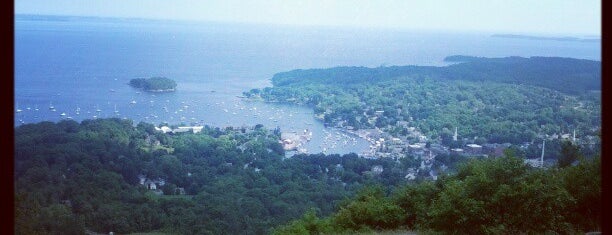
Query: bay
84, 64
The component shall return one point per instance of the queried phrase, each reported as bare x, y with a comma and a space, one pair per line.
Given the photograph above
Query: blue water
86, 64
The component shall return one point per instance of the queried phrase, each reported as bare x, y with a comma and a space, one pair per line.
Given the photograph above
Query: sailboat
98, 109
78, 110
116, 111
51, 105
18, 110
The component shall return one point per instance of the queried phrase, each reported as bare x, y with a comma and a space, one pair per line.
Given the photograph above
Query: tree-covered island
154, 84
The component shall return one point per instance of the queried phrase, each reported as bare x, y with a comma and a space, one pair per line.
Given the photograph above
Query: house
181, 130
163, 129
474, 149
377, 169
150, 185
179, 191
412, 173
197, 129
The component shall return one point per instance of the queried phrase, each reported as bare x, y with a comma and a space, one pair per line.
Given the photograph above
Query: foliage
490, 100
153, 83
71, 177
490, 196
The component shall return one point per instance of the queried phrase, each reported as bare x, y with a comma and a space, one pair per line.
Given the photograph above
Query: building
474, 149
495, 150
163, 129
377, 169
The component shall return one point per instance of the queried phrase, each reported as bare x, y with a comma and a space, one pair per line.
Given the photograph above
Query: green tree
569, 154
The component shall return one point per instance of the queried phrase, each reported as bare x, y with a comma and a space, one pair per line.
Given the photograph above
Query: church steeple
455, 136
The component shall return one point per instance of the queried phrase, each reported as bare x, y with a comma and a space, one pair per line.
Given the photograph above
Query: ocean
85, 64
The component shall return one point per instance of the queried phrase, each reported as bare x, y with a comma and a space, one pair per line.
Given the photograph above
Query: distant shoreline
161, 90
569, 39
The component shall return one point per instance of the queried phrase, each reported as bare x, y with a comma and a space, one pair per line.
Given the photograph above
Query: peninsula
571, 39
154, 84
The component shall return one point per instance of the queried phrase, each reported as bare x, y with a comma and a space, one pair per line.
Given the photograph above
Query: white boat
133, 102
116, 111
51, 106
63, 114
18, 110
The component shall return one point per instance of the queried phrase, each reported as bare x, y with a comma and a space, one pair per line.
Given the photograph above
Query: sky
544, 17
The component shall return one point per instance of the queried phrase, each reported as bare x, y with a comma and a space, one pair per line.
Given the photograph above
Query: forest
492, 196
154, 84
513, 99
73, 177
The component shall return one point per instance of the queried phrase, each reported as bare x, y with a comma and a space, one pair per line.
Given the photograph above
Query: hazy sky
577, 17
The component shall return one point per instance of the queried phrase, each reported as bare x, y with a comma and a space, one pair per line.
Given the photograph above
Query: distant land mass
499, 100
154, 84
571, 39
569, 75
66, 18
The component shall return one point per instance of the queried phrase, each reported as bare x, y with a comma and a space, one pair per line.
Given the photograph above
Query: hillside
111, 175
572, 76
489, 100
494, 196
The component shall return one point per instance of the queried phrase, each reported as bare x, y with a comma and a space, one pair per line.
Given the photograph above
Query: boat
18, 110
116, 111
63, 114
78, 110
133, 102
51, 106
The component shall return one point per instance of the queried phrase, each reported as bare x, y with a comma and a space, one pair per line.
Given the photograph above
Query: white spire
455, 136
542, 157
574, 138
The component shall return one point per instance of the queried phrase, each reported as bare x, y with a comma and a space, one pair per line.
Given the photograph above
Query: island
570, 39
154, 84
